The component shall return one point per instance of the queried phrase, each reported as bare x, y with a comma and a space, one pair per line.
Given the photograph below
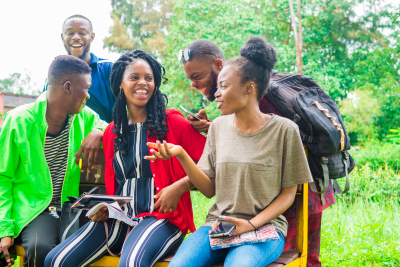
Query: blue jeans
196, 252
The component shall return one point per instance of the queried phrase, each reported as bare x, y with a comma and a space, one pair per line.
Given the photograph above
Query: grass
361, 229
364, 233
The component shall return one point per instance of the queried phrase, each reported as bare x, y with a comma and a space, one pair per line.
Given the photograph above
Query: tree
298, 36
139, 25
341, 49
227, 23
18, 83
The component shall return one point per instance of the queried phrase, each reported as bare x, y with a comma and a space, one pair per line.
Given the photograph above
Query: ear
250, 87
92, 36
62, 37
218, 65
67, 87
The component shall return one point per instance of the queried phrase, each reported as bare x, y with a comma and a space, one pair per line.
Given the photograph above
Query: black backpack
302, 100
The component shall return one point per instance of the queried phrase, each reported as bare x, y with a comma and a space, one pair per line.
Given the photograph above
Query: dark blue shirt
101, 98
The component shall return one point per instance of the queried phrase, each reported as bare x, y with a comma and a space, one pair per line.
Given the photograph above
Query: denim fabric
196, 252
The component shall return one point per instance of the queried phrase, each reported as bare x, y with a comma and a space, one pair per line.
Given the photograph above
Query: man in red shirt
202, 62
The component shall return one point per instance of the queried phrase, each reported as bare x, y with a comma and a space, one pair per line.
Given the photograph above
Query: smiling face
79, 88
138, 83
231, 94
77, 36
203, 77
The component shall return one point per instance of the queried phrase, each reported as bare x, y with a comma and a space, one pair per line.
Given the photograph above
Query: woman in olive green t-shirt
252, 162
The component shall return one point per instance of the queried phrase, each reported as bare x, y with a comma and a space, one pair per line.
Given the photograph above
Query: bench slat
287, 257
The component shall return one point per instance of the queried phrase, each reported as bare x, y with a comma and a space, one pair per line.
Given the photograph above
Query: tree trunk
298, 36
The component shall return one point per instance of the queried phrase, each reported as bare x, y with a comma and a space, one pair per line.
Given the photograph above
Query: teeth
76, 45
141, 91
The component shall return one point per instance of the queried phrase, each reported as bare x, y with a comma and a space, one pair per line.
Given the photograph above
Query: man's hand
169, 196
5, 244
100, 216
90, 149
200, 126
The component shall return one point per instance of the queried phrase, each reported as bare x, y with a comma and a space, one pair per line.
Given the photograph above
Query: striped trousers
149, 241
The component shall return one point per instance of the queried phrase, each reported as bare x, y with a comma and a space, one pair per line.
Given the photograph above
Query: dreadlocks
156, 114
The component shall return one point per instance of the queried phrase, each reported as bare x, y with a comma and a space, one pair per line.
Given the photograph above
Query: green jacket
25, 183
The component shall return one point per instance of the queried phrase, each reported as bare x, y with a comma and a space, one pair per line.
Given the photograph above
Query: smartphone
224, 229
190, 113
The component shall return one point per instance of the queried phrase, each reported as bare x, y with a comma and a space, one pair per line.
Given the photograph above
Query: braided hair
156, 113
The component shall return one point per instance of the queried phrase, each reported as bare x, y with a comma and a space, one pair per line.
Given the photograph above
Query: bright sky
30, 33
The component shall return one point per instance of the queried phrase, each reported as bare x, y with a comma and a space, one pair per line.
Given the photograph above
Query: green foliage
344, 51
364, 233
356, 119
376, 185
227, 23
18, 83
377, 154
362, 227
395, 137
139, 25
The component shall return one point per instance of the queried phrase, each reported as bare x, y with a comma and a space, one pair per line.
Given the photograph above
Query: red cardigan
165, 172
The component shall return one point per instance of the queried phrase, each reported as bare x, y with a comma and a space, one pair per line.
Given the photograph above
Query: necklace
61, 124
137, 128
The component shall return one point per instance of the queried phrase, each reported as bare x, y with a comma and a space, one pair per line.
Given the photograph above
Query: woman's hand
242, 226
168, 198
165, 150
100, 216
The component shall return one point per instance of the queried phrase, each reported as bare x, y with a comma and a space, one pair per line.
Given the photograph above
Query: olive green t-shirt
251, 169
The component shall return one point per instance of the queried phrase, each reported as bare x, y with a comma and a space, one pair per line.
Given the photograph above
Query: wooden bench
290, 259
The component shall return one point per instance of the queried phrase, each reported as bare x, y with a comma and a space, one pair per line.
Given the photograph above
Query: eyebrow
139, 73
194, 73
79, 29
222, 81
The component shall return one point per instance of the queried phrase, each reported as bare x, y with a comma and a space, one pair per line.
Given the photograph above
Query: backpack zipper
341, 122
287, 77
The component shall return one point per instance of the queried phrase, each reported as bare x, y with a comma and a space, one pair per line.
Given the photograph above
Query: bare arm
168, 197
277, 207
200, 180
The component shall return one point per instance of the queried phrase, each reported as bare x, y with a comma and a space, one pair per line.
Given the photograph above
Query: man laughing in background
77, 36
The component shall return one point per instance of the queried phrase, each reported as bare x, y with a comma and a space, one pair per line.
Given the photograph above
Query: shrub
377, 154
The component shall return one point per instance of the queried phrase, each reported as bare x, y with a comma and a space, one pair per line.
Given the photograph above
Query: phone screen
224, 229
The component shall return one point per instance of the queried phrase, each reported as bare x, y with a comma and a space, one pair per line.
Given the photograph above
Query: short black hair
81, 17
205, 46
255, 63
65, 67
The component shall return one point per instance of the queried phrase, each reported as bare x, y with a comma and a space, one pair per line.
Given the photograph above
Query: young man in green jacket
38, 167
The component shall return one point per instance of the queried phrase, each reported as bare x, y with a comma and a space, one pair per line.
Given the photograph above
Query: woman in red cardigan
139, 116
